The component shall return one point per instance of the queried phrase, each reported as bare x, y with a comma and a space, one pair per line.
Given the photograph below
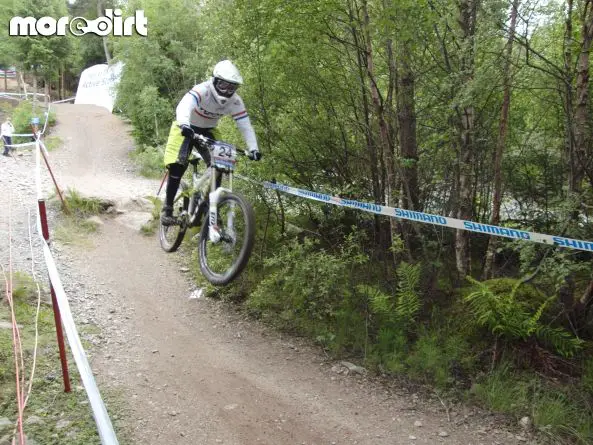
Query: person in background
6, 132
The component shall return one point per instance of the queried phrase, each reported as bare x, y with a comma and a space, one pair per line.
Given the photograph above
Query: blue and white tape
436, 219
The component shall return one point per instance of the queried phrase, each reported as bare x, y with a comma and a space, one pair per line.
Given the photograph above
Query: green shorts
176, 139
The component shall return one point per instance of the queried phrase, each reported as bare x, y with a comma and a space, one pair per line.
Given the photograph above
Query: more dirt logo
112, 23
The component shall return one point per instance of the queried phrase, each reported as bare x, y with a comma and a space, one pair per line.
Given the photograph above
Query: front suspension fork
214, 232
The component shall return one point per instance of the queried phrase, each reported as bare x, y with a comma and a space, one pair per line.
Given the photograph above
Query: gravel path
192, 371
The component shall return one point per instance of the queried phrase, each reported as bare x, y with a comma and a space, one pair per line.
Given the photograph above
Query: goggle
226, 88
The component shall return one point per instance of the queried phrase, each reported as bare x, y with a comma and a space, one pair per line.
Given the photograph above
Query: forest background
473, 109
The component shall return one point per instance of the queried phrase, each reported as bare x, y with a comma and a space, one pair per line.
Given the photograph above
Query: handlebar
208, 141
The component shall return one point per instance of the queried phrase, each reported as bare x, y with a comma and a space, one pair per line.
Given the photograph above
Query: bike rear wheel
172, 236
223, 261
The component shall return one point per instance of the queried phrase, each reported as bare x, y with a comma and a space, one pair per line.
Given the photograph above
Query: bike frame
214, 196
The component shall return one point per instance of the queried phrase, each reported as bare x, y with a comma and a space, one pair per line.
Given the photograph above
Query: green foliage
52, 142
501, 391
302, 286
408, 300
402, 309
562, 415
150, 160
429, 360
395, 318
39, 54
159, 69
23, 287
24, 111
307, 89
82, 206
48, 400
511, 319
151, 116
587, 376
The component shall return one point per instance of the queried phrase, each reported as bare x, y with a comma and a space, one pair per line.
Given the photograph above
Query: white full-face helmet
225, 81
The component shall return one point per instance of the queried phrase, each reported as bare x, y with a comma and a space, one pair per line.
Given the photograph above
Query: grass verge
75, 227
53, 142
52, 416
562, 414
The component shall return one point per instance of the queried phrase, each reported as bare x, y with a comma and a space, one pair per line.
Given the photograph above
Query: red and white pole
54, 302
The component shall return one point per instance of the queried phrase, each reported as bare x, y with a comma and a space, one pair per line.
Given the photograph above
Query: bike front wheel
221, 262
171, 237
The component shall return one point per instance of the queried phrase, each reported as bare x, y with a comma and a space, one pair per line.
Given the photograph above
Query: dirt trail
94, 158
193, 372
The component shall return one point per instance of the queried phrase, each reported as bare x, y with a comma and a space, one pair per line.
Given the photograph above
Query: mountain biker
198, 112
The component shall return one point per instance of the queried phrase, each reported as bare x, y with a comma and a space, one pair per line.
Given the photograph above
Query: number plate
224, 156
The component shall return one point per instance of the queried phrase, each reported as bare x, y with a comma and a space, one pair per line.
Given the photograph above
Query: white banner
98, 85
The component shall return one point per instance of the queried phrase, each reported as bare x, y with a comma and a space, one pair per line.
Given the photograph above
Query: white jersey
7, 129
199, 108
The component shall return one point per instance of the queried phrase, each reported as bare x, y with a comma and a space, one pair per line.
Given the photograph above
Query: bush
150, 160
303, 287
23, 112
151, 116
309, 290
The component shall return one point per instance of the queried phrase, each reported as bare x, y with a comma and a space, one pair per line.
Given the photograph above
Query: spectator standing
6, 132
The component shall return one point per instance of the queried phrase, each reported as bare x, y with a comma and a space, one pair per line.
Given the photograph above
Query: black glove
187, 131
254, 155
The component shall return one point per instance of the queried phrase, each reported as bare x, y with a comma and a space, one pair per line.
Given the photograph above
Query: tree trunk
568, 102
61, 84
63, 90
582, 118
5, 80
384, 137
370, 144
580, 156
104, 38
406, 116
34, 91
21, 81
501, 142
465, 120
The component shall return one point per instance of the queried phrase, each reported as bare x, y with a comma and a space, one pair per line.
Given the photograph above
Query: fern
560, 339
513, 320
408, 300
379, 301
403, 308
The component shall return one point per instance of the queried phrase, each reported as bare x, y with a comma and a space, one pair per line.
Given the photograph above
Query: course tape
24, 144
104, 426
63, 100
438, 220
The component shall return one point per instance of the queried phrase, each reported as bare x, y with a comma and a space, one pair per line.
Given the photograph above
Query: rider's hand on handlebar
187, 131
254, 155
201, 138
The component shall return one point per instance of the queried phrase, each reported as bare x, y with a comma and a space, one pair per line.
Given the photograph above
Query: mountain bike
227, 218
